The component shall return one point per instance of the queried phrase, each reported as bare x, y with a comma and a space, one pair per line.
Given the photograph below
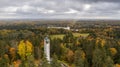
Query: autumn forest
86, 44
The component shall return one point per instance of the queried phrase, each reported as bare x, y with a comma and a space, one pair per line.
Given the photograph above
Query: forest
93, 45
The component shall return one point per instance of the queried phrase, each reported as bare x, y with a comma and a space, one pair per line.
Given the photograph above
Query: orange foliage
12, 51
17, 63
117, 65
42, 42
70, 55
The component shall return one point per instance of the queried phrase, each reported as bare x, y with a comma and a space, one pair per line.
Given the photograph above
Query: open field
57, 36
80, 34
74, 34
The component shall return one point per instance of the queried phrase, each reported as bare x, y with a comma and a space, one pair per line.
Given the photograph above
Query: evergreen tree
4, 61
44, 61
80, 59
55, 62
109, 62
101, 59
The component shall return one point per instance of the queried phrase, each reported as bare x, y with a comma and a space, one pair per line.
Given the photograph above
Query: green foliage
109, 62
55, 47
101, 59
66, 47
4, 61
68, 38
80, 60
44, 62
54, 62
2, 47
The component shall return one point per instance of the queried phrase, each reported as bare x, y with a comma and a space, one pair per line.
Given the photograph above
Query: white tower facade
47, 48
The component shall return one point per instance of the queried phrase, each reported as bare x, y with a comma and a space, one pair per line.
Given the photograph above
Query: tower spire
47, 48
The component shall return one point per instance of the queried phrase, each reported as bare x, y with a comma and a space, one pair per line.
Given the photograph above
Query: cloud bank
60, 9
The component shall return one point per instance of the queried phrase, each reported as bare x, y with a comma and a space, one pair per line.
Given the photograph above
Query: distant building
67, 28
47, 48
75, 30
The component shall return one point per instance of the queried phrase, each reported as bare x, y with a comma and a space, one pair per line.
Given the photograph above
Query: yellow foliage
83, 55
6, 56
21, 49
77, 42
110, 29
119, 42
29, 48
97, 40
113, 51
103, 42
25, 49
90, 38
62, 45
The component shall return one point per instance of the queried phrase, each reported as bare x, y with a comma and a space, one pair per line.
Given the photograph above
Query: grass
74, 34
79, 34
57, 36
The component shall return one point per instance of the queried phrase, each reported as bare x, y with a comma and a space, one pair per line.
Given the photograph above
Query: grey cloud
59, 8
94, 1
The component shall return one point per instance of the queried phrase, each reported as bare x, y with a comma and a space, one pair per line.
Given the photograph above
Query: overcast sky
60, 9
